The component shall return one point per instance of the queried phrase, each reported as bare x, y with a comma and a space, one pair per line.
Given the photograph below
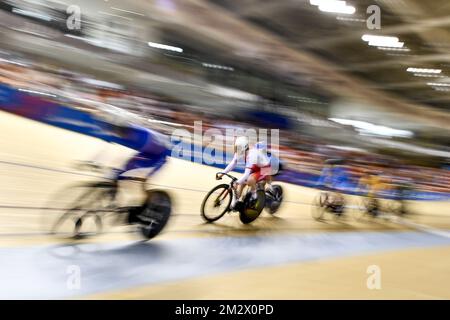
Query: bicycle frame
230, 189
259, 186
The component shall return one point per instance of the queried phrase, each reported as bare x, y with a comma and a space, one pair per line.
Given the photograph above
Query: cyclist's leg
239, 190
161, 161
252, 182
372, 201
269, 180
237, 195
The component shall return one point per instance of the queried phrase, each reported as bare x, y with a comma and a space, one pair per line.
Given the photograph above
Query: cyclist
152, 146
334, 178
259, 166
371, 184
403, 188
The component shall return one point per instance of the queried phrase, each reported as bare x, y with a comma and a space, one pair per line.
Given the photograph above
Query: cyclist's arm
244, 178
101, 157
231, 165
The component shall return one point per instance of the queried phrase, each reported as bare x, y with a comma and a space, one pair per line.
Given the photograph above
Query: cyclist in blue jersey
152, 146
99, 198
334, 178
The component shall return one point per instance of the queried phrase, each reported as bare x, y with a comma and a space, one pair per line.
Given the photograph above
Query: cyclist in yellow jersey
372, 184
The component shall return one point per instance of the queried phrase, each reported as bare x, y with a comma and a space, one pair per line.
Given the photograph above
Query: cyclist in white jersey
257, 166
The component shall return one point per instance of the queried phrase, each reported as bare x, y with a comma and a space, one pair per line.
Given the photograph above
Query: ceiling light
128, 11
441, 89
423, 70
350, 19
394, 49
164, 47
217, 66
115, 15
38, 92
32, 14
428, 75
382, 41
333, 6
366, 127
438, 84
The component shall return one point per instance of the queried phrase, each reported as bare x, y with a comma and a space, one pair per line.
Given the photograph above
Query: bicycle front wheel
77, 211
318, 207
216, 203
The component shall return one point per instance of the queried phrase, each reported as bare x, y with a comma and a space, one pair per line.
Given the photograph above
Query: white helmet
241, 145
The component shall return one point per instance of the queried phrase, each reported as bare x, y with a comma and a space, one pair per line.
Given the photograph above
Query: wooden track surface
37, 160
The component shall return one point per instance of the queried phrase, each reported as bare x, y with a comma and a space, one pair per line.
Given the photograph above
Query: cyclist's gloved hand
219, 176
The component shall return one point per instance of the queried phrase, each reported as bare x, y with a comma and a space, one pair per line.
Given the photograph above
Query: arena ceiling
423, 26
295, 39
323, 52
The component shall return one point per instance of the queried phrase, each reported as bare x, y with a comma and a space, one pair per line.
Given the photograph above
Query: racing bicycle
80, 210
218, 201
325, 202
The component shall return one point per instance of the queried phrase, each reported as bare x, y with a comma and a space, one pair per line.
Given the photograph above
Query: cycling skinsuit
150, 145
333, 179
257, 164
374, 184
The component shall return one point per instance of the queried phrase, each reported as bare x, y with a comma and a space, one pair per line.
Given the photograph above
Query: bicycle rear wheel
275, 201
154, 214
216, 203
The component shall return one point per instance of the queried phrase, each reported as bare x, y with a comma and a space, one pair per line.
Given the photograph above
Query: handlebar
94, 167
225, 174
88, 166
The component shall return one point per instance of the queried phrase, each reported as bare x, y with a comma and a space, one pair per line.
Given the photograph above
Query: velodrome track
287, 256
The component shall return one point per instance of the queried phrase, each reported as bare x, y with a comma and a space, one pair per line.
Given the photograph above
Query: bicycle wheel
216, 203
373, 207
360, 210
396, 207
252, 208
77, 211
319, 206
154, 214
